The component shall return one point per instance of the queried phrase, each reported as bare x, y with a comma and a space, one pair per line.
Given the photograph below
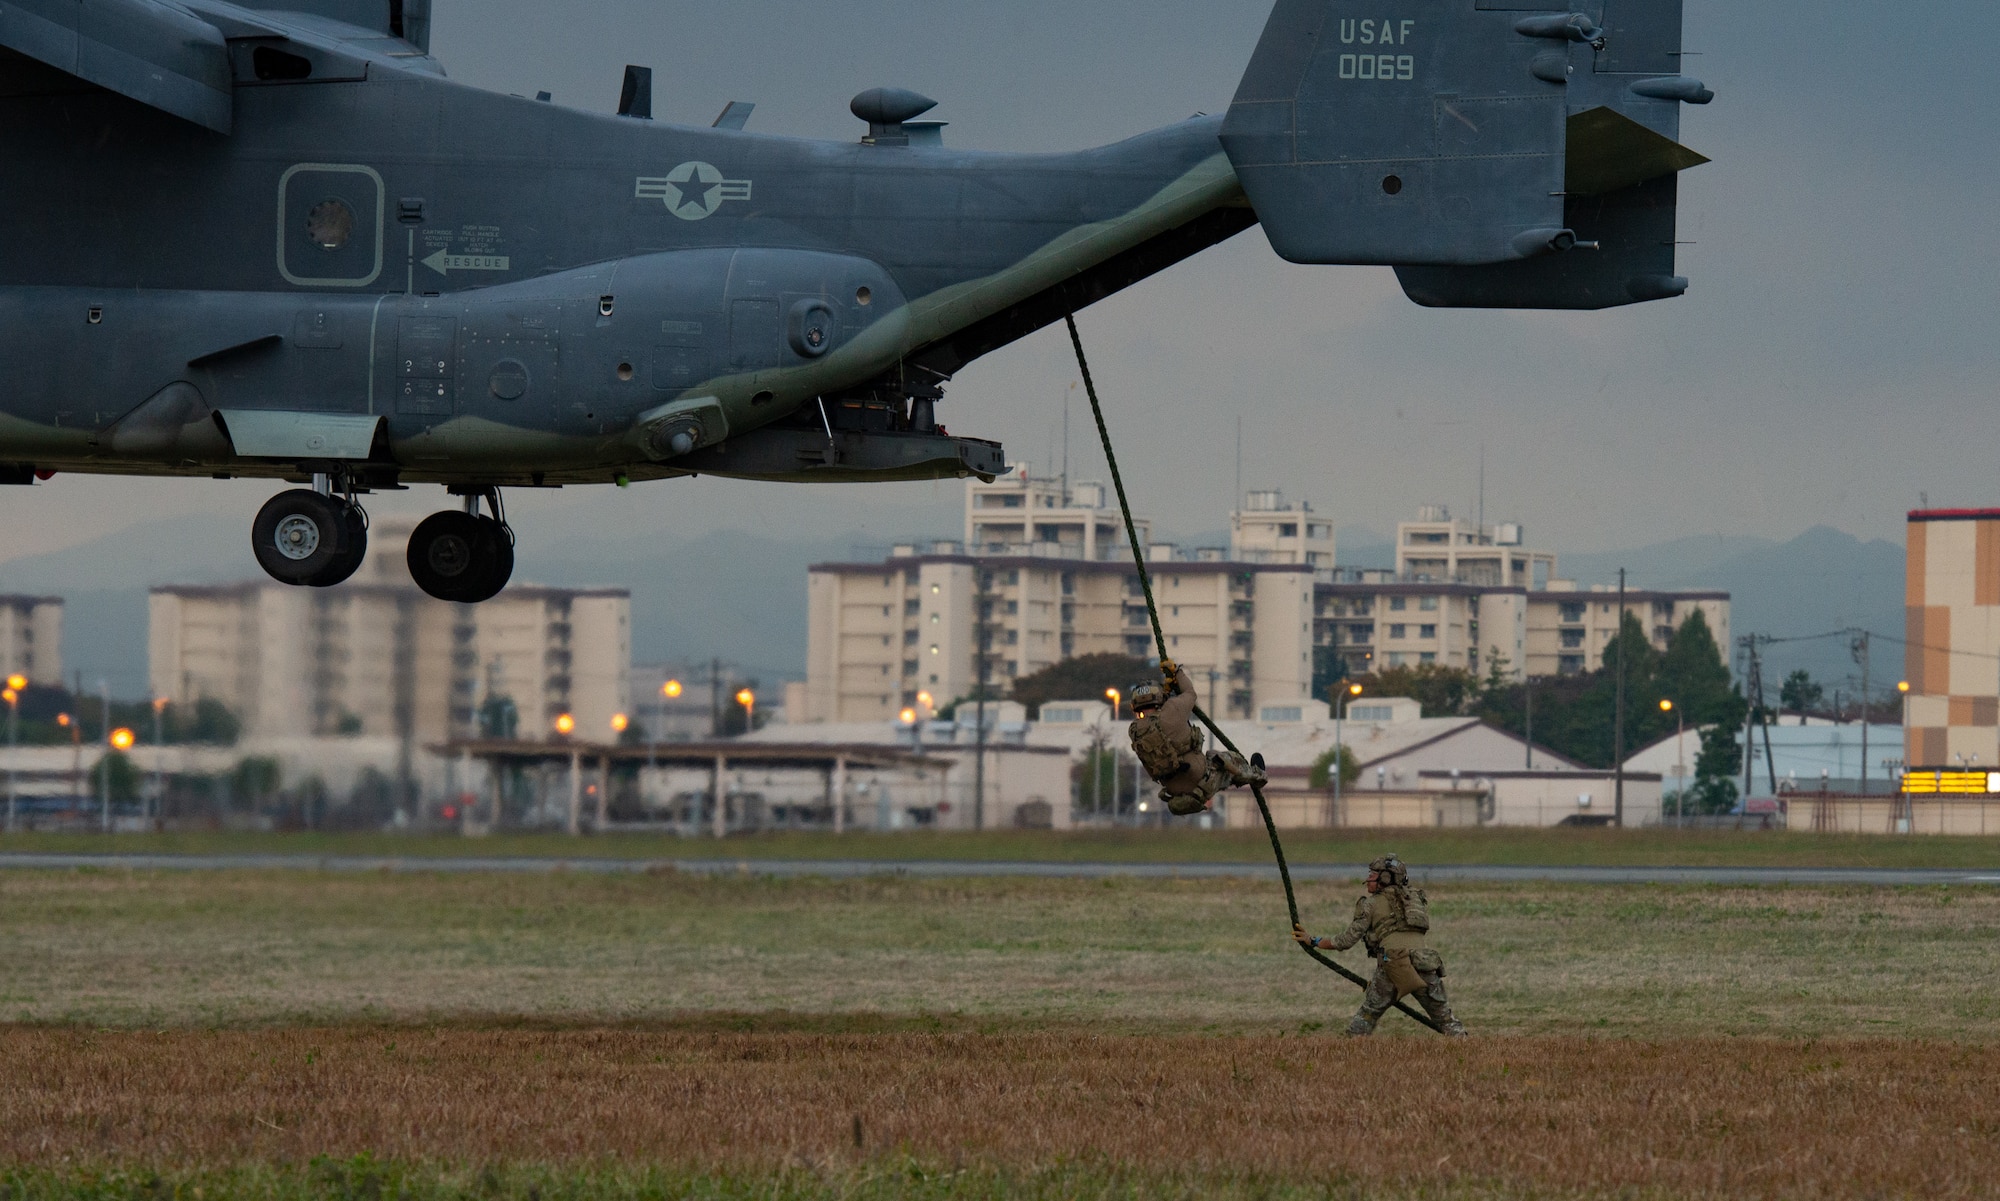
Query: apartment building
1045, 575
1438, 547
1568, 628
882, 634
1269, 530
1021, 515
1951, 718
31, 638
376, 656
1373, 624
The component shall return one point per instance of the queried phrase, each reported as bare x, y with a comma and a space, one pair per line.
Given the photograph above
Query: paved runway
848, 868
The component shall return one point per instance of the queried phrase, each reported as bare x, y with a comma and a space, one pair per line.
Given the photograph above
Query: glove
1169, 669
1300, 936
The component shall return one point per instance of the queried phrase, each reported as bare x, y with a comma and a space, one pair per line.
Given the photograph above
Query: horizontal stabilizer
147, 51
1609, 151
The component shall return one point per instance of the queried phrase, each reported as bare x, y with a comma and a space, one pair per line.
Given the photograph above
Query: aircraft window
625, 372
330, 224
271, 63
863, 296
1392, 184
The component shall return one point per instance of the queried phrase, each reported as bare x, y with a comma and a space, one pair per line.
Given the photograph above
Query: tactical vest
1159, 752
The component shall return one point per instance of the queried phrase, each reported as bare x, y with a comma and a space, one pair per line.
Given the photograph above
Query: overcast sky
1833, 359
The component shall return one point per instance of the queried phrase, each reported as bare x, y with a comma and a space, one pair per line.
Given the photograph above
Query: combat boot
1185, 806
1257, 775
1359, 1026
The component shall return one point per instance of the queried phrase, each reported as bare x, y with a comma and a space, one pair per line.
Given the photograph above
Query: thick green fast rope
1160, 638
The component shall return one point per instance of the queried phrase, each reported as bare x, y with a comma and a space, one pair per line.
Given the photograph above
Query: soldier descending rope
1391, 920
1168, 745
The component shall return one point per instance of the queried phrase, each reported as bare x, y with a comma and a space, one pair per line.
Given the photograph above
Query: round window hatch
509, 381
330, 224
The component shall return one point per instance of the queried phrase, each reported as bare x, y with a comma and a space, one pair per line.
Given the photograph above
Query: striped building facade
1952, 659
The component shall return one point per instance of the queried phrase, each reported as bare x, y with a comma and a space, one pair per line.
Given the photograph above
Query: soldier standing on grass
1391, 919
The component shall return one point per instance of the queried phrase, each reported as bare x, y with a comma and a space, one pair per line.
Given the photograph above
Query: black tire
357, 551
300, 535
461, 558
497, 547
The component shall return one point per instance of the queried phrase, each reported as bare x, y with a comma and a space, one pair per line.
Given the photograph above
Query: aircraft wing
155, 53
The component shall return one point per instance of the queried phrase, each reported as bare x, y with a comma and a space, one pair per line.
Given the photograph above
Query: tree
1715, 769
1322, 767
123, 777
1084, 678
1442, 691
1329, 670
499, 717
1801, 693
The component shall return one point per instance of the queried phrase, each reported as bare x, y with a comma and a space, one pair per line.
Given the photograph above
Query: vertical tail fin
1497, 151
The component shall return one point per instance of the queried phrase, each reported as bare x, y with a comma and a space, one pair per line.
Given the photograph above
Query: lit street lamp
1116, 698
16, 684
909, 719
620, 723
565, 724
1339, 715
1680, 758
121, 740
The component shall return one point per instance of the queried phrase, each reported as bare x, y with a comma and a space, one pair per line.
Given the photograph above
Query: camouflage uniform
1392, 924
1169, 747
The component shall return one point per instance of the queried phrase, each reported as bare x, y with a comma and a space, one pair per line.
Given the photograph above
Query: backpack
1416, 909
1155, 748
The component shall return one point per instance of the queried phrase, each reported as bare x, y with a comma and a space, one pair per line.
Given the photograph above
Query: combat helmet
1391, 870
1148, 696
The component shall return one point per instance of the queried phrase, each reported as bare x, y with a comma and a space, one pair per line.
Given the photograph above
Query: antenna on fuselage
636, 98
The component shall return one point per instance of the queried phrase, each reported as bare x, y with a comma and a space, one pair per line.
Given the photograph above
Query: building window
1399, 631
1428, 604
1572, 613
1572, 639
934, 589
1398, 603
1570, 665
934, 649
910, 608
1397, 658
934, 619
909, 667
1427, 657
1288, 530
909, 637
1427, 631
1361, 633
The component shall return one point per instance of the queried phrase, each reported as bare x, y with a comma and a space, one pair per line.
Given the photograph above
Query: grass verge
1603, 847
1122, 955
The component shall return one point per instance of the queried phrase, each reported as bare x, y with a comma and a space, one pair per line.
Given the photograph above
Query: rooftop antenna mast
1482, 490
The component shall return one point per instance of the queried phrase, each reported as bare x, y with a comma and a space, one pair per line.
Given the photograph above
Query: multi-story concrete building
1568, 628
375, 656
1468, 596
1438, 548
1952, 650
1268, 530
1377, 623
1020, 515
31, 638
883, 633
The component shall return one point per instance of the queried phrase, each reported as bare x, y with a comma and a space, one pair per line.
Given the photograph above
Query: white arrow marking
444, 262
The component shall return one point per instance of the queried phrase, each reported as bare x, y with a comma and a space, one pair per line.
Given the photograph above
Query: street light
15, 683
1339, 714
565, 724
1116, 698
620, 723
909, 719
670, 689
123, 740
748, 700
1680, 757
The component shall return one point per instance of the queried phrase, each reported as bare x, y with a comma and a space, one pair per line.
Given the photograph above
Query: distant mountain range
742, 596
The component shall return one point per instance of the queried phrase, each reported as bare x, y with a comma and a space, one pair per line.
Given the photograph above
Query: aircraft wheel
458, 557
357, 550
300, 536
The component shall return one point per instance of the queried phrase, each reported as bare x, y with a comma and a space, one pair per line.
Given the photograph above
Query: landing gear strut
309, 537
466, 556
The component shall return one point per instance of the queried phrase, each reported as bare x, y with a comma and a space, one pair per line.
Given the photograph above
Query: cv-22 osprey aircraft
271, 239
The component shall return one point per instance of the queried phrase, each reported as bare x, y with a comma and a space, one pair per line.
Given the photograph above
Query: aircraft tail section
1499, 153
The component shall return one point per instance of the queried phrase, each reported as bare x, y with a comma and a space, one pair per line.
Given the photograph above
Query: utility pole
1861, 653
1528, 693
1618, 712
980, 636
104, 757
715, 699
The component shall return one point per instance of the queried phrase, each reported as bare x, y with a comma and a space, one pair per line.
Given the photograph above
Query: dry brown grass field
1563, 1116
248, 1034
